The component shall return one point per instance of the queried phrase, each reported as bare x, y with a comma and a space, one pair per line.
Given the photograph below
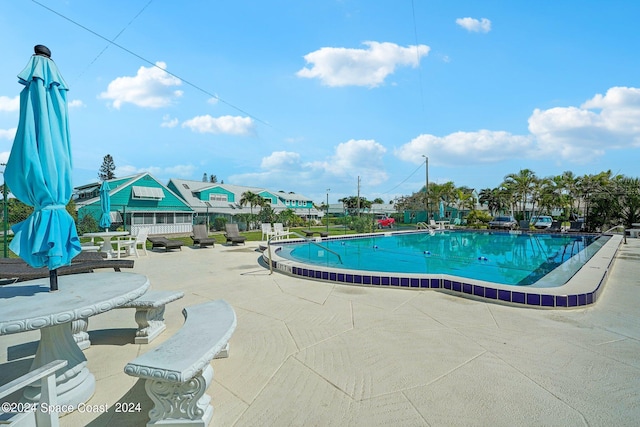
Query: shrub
478, 218
87, 224
363, 224
219, 223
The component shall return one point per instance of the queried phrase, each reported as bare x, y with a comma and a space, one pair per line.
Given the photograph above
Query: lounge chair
575, 226
309, 233
424, 225
556, 227
201, 237
233, 234
163, 242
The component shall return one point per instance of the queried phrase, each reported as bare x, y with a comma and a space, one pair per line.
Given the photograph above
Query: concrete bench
178, 371
150, 313
149, 317
27, 415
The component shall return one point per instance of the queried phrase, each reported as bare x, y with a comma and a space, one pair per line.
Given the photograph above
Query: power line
130, 52
415, 34
406, 179
114, 39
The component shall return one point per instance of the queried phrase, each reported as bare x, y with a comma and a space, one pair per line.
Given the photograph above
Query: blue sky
306, 96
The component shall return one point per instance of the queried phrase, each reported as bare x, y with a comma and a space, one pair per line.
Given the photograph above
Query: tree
204, 177
213, 179
287, 217
378, 201
107, 168
351, 204
521, 184
465, 199
252, 199
494, 198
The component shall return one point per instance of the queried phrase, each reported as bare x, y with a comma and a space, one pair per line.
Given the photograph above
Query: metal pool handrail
624, 233
304, 238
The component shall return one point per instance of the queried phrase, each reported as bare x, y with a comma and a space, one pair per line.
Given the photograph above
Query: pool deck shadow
317, 353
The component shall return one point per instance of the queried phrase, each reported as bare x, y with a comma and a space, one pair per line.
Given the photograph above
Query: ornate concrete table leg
181, 403
74, 384
79, 330
150, 324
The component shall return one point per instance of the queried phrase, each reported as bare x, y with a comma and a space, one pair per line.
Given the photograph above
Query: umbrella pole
53, 280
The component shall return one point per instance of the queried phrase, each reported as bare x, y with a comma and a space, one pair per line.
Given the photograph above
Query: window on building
143, 218
164, 218
183, 218
148, 193
218, 198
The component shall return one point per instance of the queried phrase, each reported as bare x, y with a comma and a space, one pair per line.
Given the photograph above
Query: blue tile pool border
529, 297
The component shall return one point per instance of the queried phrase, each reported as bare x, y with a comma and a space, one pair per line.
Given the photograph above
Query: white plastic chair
267, 231
132, 242
280, 230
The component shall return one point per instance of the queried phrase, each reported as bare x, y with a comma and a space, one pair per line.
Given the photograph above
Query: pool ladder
310, 240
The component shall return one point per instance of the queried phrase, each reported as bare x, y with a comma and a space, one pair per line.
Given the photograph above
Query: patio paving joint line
331, 383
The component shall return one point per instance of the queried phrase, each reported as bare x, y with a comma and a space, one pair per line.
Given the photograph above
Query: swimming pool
539, 269
511, 258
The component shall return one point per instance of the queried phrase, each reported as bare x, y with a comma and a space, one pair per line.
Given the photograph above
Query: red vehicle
385, 221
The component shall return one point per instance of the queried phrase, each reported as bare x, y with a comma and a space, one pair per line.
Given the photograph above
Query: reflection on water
515, 259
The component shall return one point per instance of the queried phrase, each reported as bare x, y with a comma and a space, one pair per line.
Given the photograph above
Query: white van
541, 222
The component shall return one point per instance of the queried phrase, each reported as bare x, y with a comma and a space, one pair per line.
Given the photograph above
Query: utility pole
426, 187
327, 216
358, 196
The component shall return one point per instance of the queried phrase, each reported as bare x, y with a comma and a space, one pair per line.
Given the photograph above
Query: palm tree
521, 184
252, 199
464, 199
496, 199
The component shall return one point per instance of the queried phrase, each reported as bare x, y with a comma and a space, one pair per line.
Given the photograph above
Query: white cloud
363, 158
4, 156
576, 134
76, 103
9, 134
474, 25
281, 160
232, 125
580, 134
336, 66
168, 122
158, 172
354, 158
150, 88
458, 148
9, 104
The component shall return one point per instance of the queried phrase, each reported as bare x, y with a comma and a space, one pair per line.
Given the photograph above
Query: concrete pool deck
316, 353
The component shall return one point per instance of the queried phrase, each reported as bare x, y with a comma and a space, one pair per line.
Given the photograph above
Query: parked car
503, 222
541, 222
385, 221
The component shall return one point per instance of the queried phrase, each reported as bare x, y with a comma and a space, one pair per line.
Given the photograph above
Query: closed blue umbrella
105, 205
441, 209
38, 171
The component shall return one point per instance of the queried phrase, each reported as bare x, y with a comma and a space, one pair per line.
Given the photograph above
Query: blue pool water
498, 257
